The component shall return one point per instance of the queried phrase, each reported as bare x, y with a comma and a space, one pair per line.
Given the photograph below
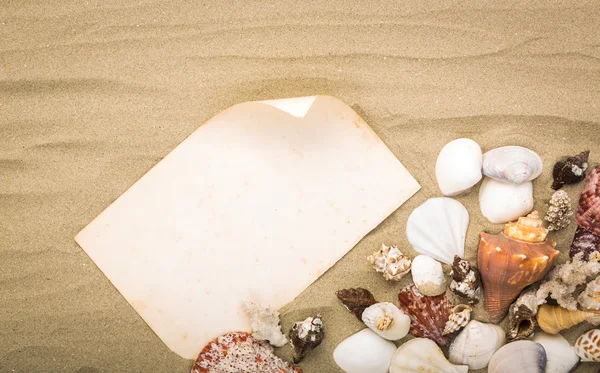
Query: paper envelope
258, 202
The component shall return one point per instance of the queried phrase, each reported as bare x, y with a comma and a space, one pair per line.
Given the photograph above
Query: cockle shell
587, 346
460, 316
570, 170
356, 300
512, 164
438, 228
428, 275
363, 352
589, 299
521, 316
387, 321
391, 262
428, 315
588, 211
466, 281
561, 356
512, 260
502, 202
421, 355
305, 336
475, 344
458, 166
553, 319
519, 357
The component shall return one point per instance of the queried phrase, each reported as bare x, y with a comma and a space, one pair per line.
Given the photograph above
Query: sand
93, 95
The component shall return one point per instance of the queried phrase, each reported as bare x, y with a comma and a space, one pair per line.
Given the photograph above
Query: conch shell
553, 319
460, 316
390, 261
512, 260
521, 317
589, 300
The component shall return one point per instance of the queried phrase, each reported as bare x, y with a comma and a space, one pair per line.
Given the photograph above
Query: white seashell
589, 299
422, 355
438, 228
519, 357
364, 352
387, 320
475, 344
561, 356
458, 319
503, 202
587, 346
428, 275
512, 164
458, 166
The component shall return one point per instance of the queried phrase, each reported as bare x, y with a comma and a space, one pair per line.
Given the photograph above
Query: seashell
428, 315
422, 355
502, 202
589, 300
559, 211
458, 166
588, 211
265, 324
512, 260
587, 346
428, 275
560, 355
519, 357
570, 170
512, 164
391, 262
553, 319
521, 316
363, 352
587, 243
305, 336
240, 352
460, 316
475, 344
438, 228
356, 300
386, 320
466, 281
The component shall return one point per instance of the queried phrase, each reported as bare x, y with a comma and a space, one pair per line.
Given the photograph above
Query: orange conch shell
512, 260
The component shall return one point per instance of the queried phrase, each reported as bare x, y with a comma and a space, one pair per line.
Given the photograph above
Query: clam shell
519, 357
438, 228
502, 202
512, 164
589, 299
363, 352
460, 316
588, 211
475, 344
458, 166
561, 356
428, 275
587, 346
421, 355
387, 321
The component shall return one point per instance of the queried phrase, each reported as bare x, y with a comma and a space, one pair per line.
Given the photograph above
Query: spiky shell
466, 281
588, 211
512, 164
386, 320
305, 336
460, 316
589, 299
587, 346
390, 261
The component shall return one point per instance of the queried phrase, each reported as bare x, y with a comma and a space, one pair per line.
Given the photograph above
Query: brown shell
570, 170
588, 211
356, 300
240, 352
521, 322
507, 266
466, 281
305, 336
586, 242
428, 315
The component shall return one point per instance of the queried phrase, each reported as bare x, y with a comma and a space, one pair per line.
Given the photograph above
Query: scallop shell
475, 344
553, 319
428, 275
458, 166
466, 281
587, 243
512, 164
305, 336
519, 357
587, 346
363, 352
508, 264
570, 170
589, 300
421, 355
521, 317
387, 321
460, 316
428, 315
502, 202
391, 262
438, 228
588, 211
561, 356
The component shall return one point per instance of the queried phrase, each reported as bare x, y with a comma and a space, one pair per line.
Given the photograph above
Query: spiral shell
587, 346
466, 281
460, 316
390, 261
521, 317
553, 319
589, 299
386, 320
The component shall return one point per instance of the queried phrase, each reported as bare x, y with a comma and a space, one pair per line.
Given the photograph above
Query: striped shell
588, 211
587, 346
460, 316
589, 299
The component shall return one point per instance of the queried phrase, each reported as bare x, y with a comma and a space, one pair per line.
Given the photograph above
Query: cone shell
553, 319
460, 316
589, 299
588, 211
428, 315
587, 346
507, 265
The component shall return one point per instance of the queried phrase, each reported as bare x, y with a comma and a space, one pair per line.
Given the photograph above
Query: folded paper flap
297, 107
248, 199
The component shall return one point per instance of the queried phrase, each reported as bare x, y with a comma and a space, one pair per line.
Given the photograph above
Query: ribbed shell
512, 164
586, 242
475, 344
553, 319
588, 211
590, 298
519, 357
460, 316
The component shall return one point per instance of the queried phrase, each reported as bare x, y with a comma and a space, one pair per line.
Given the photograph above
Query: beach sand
93, 95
